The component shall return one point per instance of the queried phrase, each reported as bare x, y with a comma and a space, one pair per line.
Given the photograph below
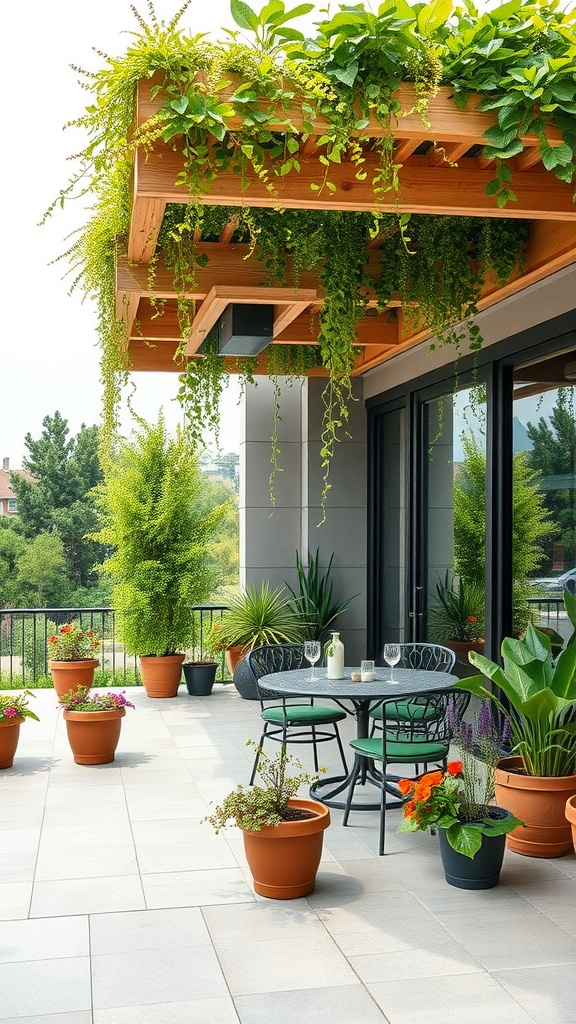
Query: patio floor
118, 907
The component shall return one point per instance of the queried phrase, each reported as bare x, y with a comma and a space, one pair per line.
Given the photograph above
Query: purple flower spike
485, 725
506, 730
452, 718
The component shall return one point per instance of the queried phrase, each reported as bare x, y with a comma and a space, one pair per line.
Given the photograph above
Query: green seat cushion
406, 711
312, 714
408, 752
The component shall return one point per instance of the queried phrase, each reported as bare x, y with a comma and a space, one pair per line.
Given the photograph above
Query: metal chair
423, 737
430, 658
291, 723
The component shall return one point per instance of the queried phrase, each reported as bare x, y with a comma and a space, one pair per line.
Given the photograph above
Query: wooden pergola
444, 172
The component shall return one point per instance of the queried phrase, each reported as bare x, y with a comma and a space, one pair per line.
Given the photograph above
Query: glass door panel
392, 504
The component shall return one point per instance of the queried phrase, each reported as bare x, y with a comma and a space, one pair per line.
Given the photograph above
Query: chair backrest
426, 715
263, 661
430, 657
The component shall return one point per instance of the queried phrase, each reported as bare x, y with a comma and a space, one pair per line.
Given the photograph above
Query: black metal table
407, 683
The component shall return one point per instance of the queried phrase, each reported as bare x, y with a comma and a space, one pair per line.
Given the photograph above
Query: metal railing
24, 633
550, 613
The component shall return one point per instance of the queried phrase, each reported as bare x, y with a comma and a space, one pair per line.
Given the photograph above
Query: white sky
49, 358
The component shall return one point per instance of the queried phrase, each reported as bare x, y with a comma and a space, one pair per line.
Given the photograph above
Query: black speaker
245, 329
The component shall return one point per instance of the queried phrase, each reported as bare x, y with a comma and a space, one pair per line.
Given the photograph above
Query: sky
49, 357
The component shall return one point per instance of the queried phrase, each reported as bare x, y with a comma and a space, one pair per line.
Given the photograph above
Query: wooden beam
228, 230
449, 154
446, 121
220, 296
284, 315
529, 158
423, 188
145, 224
404, 149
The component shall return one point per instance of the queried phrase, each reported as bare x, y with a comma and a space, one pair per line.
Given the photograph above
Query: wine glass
392, 657
312, 652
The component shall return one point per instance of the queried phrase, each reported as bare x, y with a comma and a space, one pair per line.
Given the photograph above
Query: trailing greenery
159, 534
229, 106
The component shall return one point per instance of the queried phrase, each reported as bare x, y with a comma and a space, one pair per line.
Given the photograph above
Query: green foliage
259, 615
41, 579
85, 699
253, 809
538, 696
11, 706
553, 456
458, 614
159, 533
314, 605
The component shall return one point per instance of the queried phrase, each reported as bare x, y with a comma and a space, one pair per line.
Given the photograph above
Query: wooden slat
220, 296
404, 149
446, 121
205, 318
145, 224
127, 308
285, 314
529, 158
423, 189
228, 230
450, 154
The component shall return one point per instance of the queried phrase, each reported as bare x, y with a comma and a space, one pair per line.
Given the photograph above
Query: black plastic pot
481, 871
200, 676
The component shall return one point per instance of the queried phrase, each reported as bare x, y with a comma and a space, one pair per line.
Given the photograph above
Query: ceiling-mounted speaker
245, 329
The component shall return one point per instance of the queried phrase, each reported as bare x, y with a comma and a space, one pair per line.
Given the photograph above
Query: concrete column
270, 537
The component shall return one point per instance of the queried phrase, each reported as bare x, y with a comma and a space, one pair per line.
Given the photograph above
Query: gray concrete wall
270, 537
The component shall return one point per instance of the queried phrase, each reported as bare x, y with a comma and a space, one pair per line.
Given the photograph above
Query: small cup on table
367, 671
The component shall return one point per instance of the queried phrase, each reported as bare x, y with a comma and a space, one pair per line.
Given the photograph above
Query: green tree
531, 524
553, 455
41, 572
59, 500
12, 545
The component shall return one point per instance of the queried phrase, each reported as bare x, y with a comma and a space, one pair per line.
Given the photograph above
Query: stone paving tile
347, 1004
547, 993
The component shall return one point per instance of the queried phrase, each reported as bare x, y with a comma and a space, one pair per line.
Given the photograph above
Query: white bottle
335, 659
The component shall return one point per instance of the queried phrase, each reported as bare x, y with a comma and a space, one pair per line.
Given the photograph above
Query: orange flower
409, 808
454, 767
52, 639
405, 786
472, 618
432, 778
66, 629
422, 791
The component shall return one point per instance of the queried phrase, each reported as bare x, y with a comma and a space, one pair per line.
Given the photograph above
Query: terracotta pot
9, 733
161, 675
540, 802
94, 735
233, 656
284, 858
462, 648
571, 816
68, 675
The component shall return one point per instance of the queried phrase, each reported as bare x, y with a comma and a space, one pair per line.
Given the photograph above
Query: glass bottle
335, 658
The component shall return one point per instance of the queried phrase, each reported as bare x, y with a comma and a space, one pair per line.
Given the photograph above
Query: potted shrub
93, 722
158, 529
257, 616
13, 710
71, 658
457, 617
199, 666
283, 834
538, 696
457, 804
313, 604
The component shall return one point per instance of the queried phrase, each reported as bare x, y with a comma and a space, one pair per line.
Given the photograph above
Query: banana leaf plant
538, 696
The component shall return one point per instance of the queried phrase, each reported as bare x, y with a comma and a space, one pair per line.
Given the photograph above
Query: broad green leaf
180, 104
243, 15
465, 839
296, 12
270, 9
564, 678
433, 16
346, 75
554, 156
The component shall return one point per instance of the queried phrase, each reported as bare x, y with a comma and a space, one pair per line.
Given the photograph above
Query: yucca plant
259, 615
458, 614
314, 606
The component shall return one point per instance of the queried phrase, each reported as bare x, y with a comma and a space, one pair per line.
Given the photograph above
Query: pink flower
10, 712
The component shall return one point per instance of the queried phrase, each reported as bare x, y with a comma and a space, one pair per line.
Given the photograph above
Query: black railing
550, 613
24, 632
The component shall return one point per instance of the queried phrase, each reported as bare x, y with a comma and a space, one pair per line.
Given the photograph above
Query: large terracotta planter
9, 733
94, 735
540, 802
571, 816
462, 649
233, 656
161, 675
68, 675
284, 858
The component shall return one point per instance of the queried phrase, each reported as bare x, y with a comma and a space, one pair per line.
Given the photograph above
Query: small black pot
479, 872
200, 676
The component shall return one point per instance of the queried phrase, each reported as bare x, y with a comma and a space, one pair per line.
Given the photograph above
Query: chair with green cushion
286, 722
430, 658
423, 737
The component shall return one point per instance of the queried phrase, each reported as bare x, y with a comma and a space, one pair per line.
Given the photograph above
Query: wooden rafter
291, 303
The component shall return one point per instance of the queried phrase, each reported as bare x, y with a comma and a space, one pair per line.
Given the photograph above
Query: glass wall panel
544, 503
393, 528
450, 603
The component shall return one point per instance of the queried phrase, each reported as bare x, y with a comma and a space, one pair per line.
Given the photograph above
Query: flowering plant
458, 612
11, 706
82, 699
71, 643
458, 800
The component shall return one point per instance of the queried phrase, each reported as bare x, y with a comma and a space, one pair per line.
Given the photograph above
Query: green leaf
465, 839
553, 156
243, 15
180, 104
346, 75
492, 188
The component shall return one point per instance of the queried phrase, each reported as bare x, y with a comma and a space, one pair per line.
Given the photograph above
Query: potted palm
71, 657
13, 710
457, 616
283, 834
538, 695
93, 722
257, 616
158, 529
458, 804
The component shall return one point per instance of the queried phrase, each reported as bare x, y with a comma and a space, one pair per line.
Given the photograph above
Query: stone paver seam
215, 951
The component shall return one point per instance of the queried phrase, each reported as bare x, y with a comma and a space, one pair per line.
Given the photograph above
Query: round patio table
407, 682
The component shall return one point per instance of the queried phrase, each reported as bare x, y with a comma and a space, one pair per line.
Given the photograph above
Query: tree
12, 545
41, 572
531, 524
553, 455
59, 501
